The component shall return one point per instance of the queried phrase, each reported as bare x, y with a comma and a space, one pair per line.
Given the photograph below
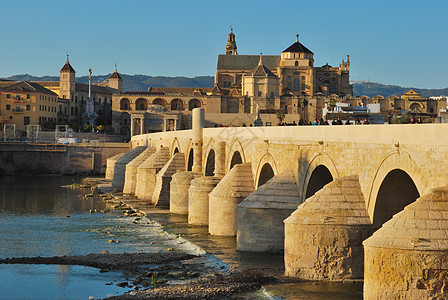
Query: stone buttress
130, 181
233, 188
323, 237
120, 167
111, 165
198, 199
261, 215
147, 171
180, 183
407, 258
161, 195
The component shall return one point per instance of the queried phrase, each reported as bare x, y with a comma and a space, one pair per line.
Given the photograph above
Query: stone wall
73, 159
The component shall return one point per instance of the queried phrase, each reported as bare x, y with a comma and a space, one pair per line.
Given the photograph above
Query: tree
280, 114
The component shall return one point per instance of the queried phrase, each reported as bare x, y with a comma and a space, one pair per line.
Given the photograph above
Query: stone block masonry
260, 216
233, 188
323, 237
131, 170
407, 258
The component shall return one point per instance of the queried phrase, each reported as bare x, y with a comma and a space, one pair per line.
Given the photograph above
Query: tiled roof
26, 86
297, 48
84, 87
68, 67
115, 75
178, 90
246, 62
261, 70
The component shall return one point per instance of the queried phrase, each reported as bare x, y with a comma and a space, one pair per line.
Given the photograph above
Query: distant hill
372, 89
133, 82
143, 82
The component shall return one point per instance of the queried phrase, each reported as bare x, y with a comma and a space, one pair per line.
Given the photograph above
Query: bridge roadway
387, 167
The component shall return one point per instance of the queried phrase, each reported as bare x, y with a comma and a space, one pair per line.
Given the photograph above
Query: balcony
17, 110
17, 100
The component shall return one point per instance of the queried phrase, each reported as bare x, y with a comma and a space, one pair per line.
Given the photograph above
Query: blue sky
391, 42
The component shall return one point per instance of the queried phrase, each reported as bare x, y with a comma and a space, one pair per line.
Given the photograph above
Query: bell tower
231, 43
115, 81
67, 81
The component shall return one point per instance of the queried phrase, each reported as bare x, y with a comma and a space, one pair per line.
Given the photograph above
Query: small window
17, 107
8, 107
259, 94
8, 96
28, 107
26, 121
272, 94
28, 96
18, 97
296, 63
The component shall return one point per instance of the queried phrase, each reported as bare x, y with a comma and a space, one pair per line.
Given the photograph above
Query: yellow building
27, 103
294, 68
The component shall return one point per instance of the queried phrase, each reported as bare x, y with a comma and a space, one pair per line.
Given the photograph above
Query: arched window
194, 103
296, 86
125, 104
177, 104
296, 63
141, 104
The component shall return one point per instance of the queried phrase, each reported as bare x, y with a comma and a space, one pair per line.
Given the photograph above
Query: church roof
261, 70
297, 48
27, 87
115, 74
68, 67
246, 62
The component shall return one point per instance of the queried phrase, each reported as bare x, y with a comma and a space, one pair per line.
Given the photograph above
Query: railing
20, 110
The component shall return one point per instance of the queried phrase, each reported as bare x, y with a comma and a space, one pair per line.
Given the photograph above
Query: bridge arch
324, 164
175, 145
266, 169
236, 147
235, 160
396, 191
190, 159
396, 160
210, 163
320, 177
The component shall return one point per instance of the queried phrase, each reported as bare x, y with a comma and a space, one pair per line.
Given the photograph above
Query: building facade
27, 103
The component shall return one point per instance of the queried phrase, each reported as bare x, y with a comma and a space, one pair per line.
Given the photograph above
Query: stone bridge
252, 183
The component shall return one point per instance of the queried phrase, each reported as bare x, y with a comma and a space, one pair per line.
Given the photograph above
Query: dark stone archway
265, 174
210, 165
319, 178
236, 159
190, 160
396, 191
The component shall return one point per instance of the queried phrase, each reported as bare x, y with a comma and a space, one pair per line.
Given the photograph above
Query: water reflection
42, 195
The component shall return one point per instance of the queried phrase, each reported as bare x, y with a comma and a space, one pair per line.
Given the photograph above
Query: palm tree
280, 114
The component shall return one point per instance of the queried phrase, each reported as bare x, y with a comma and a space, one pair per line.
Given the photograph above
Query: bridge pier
131, 170
260, 216
407, 257
147, 171
161, 194
231, 190
323, 237
198, 199
180, 184
198, 116
111, 165
120, 167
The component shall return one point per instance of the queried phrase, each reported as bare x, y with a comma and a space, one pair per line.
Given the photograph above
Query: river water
39, 217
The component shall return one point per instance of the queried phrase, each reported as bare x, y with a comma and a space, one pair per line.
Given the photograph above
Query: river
40, 217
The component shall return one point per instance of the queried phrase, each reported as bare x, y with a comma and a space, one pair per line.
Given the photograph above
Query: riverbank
260, 269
